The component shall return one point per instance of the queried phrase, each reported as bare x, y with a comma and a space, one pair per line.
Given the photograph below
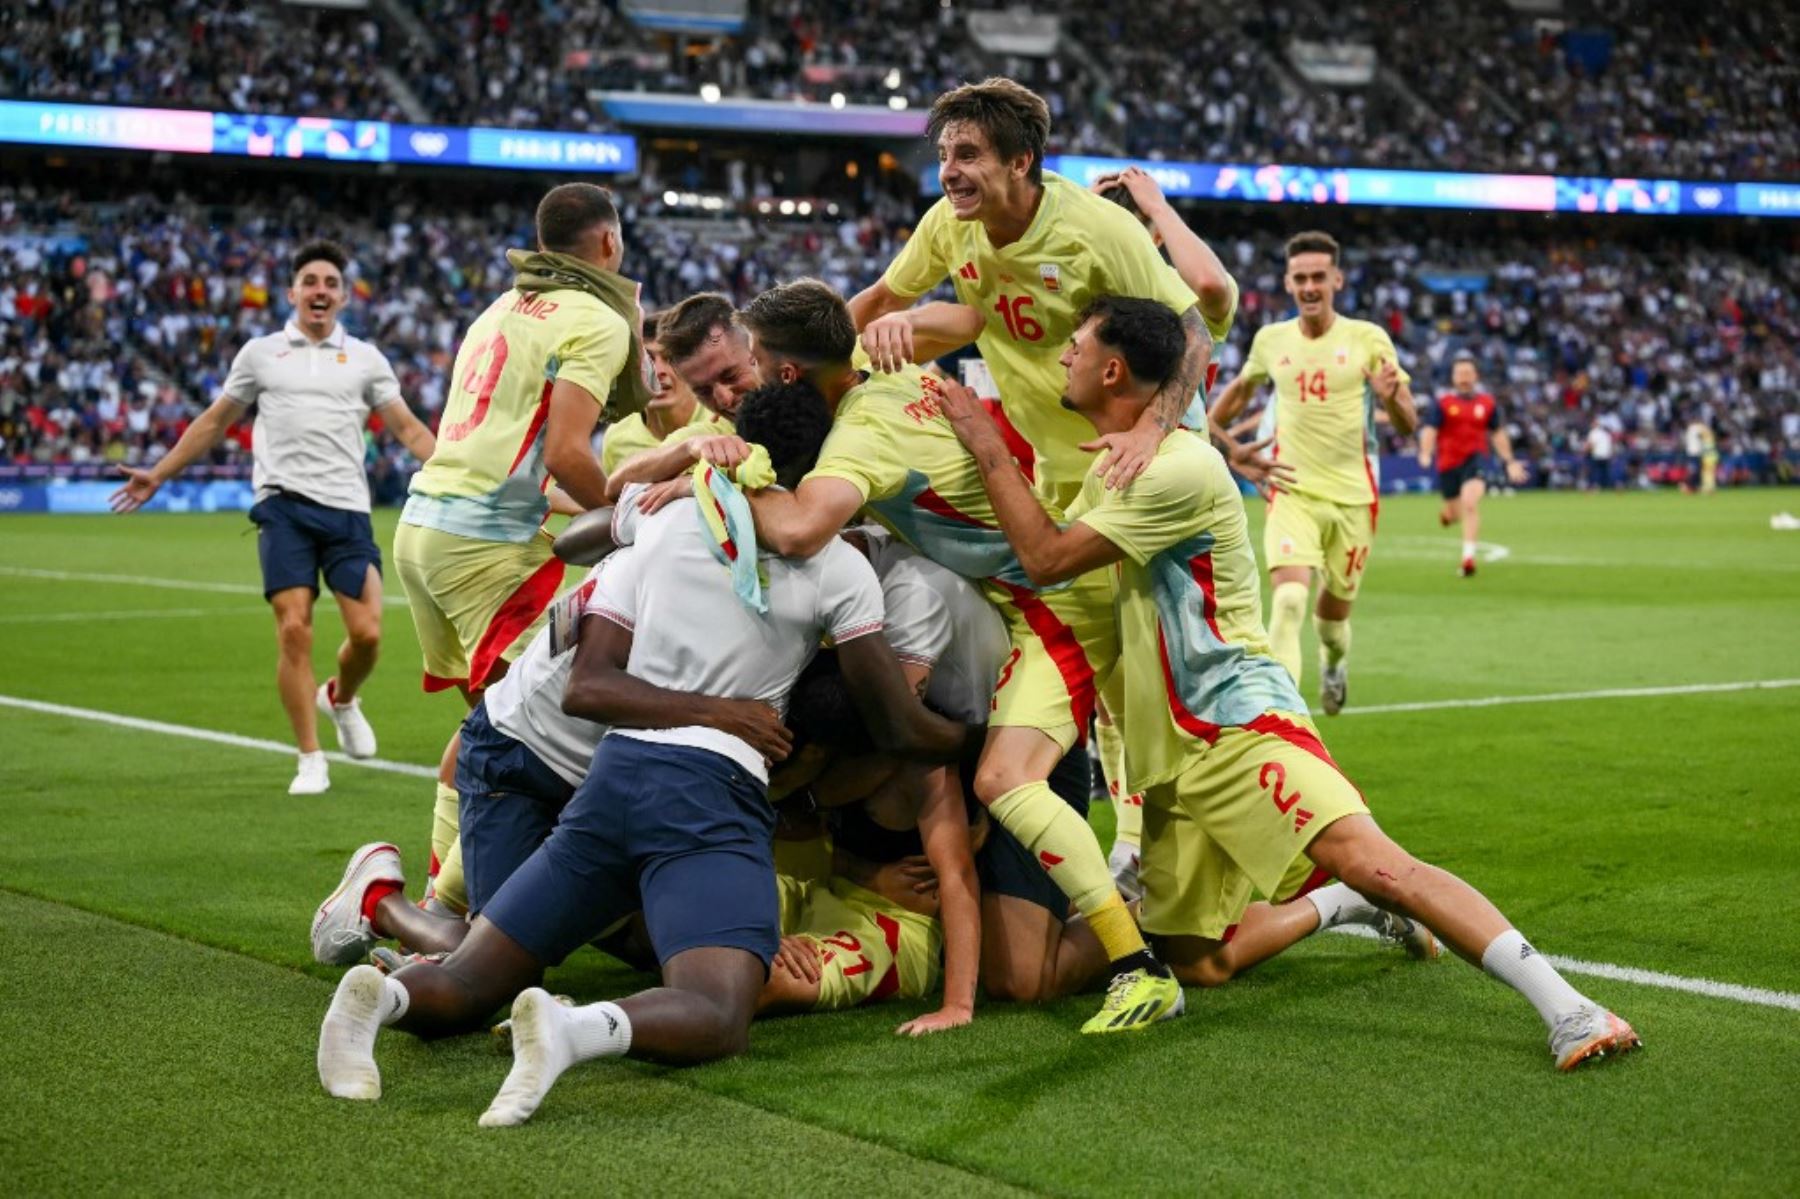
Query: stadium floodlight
709, 92
805, 208
787, 208
671, 199
891, 80
897, 103
837, 99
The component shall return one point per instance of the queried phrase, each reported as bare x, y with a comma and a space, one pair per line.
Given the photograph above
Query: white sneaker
312, 776
1124, 862
1334, 688
1588, 1034
354, 735
340, 934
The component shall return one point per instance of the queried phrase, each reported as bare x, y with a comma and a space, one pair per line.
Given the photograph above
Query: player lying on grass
1237, 782
672, 818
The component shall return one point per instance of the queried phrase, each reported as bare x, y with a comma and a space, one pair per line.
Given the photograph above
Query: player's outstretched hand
1517, 474
1128, 454
888, 340
969, 417
799, 956
1385, 381
141, 486
944, 1018
754, 722
1252, 461
658, 496
724, 451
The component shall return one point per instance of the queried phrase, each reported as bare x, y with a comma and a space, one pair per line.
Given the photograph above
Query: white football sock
366, 999
1338, 904
1511, 959
547, 1039
1469, 550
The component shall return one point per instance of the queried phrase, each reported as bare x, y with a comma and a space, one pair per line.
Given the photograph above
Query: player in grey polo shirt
314, 387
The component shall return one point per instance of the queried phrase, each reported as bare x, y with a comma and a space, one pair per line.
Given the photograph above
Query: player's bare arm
599, 689
665, 462
1395, 395
197, 440
1130, 452
899, 723
1427, 444
1516, 473
409, 430
569, 444
876, 300
1049, 554
1191, 257
1251, 460
799, 523
944, 829
919, 335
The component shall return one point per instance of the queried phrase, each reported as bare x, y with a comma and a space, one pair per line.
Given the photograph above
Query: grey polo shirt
313, 402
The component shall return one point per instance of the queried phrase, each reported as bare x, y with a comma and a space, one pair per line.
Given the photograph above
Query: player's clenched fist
888, 341
724, 451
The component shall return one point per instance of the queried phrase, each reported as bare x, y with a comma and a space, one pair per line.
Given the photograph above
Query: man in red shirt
1458, 428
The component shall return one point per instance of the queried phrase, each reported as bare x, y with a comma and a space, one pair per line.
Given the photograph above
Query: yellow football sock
1128, 810
445, 816
1062, 841
1287, 609
1334, 640
451, 889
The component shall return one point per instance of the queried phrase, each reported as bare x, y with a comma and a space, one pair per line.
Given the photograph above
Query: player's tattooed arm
1129, 454
1048, 553
599, 689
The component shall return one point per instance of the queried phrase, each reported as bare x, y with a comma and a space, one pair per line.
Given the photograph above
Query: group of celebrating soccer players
811, 731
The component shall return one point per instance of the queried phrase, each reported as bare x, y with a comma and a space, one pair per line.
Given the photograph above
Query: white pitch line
217, 738
1497, 701
1757, 996
129, 614
1629, 974
79, 576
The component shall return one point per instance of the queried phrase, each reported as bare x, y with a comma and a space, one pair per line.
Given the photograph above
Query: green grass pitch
159, 1009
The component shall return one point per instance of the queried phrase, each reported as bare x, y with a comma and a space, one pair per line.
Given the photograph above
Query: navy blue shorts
299, 539
683, 834
510, 802
1006, 867
1450, 482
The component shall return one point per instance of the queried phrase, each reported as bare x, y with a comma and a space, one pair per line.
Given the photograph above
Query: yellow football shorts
869, 949
474, 603
1335, 538
1236, 822
1064, 645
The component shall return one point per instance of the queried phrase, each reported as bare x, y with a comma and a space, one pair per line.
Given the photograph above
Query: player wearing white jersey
314, 388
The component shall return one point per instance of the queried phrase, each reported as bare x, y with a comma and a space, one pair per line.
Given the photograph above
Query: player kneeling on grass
1214, 728
671, 819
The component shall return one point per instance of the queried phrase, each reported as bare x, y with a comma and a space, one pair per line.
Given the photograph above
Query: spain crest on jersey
1343, 357
1051, 274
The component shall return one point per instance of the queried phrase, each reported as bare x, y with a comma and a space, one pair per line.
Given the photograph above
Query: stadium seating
118, 320
1596, 87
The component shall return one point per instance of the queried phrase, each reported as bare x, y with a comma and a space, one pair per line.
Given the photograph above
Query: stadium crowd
118, 321
1607, 88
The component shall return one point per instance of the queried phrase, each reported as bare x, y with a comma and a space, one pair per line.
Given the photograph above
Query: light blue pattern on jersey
972, 550
1214, 680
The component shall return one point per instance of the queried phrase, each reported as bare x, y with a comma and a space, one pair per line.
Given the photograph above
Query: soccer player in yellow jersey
527, 389
1329, 372
890, 451
1237, 781
1027, 249
674, 410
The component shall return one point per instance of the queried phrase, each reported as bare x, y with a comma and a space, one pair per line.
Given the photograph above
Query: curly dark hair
821, 712
320, 251
1146, 333
804, 320
1015, 118
790, 420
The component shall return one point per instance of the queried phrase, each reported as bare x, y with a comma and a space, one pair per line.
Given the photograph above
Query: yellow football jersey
1077, 248
1325, 408
632, 435
1188, 605
487, 478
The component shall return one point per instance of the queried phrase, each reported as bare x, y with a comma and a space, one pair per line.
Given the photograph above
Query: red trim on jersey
1201, 567
936, 504
890, 982
1318, 878
1374, 493
1184, 719
1271, 725
434, 683
514, 617
1016, 445
1230, 932
1065, 650
537, 423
